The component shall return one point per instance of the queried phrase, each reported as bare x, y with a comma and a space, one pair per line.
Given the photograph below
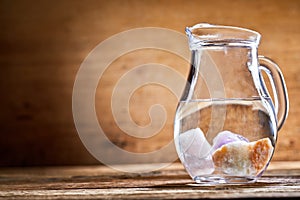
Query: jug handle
281, 101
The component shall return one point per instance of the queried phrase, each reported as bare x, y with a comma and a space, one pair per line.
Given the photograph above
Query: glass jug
226, 123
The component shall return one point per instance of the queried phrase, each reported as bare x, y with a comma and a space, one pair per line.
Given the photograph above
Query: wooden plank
282, 179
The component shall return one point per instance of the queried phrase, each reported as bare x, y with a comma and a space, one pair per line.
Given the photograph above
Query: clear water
197, 123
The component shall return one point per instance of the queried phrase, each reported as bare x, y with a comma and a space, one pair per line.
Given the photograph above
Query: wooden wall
43, 43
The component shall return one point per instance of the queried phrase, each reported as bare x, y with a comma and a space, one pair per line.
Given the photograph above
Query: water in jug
226, 122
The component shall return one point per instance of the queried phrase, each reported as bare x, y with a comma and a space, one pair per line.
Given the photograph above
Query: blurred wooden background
43, 43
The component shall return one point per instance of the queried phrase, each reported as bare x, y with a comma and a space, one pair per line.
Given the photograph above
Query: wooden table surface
282, 179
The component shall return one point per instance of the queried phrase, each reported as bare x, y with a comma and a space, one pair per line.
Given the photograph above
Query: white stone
195, 152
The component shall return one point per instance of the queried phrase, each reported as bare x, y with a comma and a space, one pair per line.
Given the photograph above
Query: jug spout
205, 34
224, 62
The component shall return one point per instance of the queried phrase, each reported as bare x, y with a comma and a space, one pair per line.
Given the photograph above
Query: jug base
215, 180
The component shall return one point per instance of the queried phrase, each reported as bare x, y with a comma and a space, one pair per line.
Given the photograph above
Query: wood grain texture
100, 182
43, 43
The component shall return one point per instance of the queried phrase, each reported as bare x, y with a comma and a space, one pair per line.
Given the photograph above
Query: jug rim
205, 34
